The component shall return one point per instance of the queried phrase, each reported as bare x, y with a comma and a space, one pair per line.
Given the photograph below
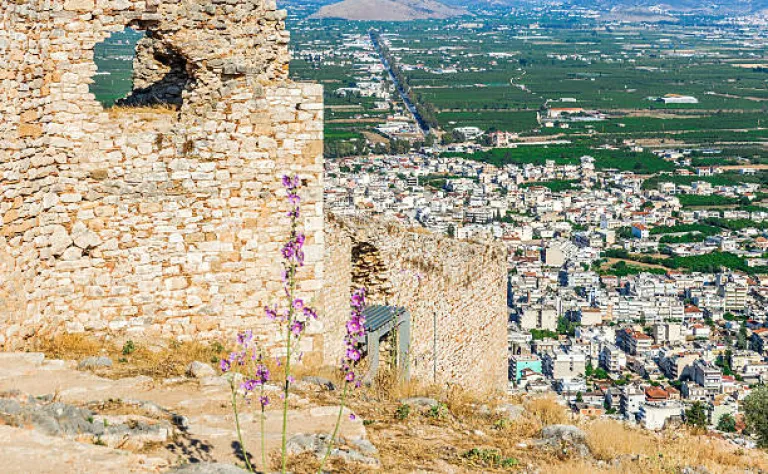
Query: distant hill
389, 10
709, 6
727, 7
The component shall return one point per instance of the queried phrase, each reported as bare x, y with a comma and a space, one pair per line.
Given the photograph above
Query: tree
756, 415
579, 398
696, 415
741, 341
727, 423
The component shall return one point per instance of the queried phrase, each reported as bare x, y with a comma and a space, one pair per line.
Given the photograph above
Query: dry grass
609, 439
538, 413
643, 451
159, 362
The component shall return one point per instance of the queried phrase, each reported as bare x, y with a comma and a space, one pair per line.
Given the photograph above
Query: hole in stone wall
160, 76
136, 69
114, 58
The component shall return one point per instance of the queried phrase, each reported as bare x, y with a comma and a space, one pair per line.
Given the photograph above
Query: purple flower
355, 327
245, 338
358, 299
289, 251
310, 313
298, 304
236, 358
249, 385
225, 365
297, 328
353, 355
291, 183
292, 252
264, 400
262, 374
352, 417
350, 377
271, 313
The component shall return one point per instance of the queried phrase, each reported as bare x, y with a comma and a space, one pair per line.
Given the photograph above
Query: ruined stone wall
455, 292
156, 222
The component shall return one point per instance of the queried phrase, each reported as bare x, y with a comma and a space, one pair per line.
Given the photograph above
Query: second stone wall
455, 292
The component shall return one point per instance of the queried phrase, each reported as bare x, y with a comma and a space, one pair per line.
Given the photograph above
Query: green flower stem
237, 425
263, 432
335, 429
288, 356
285, 404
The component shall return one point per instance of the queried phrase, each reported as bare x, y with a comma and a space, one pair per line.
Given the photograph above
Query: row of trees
425, 110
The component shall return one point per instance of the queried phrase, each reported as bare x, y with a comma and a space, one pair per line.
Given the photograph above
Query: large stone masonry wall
151, 222
455, 292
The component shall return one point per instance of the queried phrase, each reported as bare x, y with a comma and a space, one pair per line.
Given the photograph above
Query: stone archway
370, 272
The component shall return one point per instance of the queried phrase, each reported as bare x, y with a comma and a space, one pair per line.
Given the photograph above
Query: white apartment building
562, 365
654, 416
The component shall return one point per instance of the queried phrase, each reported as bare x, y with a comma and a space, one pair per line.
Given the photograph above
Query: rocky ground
81, 417
57, 416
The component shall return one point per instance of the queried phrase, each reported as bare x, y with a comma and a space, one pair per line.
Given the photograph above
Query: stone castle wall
455, 292
155, 222
163, 218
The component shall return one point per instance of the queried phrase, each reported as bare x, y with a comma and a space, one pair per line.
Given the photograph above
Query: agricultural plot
622, 160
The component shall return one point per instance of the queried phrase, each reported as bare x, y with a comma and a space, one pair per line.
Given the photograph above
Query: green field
621, 159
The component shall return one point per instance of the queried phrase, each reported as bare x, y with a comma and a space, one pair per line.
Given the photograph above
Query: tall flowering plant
247, 367
247, 374
355, 331
294, 317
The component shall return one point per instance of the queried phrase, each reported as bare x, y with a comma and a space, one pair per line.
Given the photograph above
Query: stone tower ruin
161, 218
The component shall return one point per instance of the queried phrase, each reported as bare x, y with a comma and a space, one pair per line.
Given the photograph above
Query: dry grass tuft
642, 451
131, 358
609, 439
69, 347
547, 411
466, 404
